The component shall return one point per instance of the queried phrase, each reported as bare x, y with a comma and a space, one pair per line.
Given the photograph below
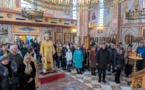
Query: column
82, 25
115, 23
53, 35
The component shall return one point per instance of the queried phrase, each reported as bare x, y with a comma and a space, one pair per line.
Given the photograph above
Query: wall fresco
94, 16
127, 5
134, 31
6, 38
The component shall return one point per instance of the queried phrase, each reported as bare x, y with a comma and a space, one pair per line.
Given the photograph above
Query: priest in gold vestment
47, 51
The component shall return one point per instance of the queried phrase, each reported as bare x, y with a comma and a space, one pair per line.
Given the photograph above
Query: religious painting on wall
3, 31
67, 37
101, 40
135, 39
59, 37
108, 40
50, 13
113, 38
140, 39
96, 39
91, 38
94, 16
144, 33
58, 29
7, 4
26, 29
127, 5
17, 2
73, 35
86, 41
77, 40
128, 39
107, 19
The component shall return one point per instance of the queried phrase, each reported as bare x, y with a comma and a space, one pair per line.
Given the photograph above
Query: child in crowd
69, 58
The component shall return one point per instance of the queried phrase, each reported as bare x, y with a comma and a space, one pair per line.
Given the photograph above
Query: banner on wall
143, 20
143, 3
94, 16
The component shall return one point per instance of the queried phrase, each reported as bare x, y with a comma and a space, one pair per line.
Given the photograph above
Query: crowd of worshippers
19, 62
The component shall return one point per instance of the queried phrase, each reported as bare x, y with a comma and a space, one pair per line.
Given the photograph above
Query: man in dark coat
121, 47
63, 54
112, 52
23, 50
4, 50
103, 62
14, 56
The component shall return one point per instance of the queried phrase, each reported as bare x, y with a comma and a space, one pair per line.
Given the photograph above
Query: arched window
74, 10
25, 4
101, 14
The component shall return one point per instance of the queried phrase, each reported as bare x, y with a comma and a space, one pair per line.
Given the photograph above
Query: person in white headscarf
15, 56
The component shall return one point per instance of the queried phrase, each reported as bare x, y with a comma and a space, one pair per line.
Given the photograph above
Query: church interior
60, 31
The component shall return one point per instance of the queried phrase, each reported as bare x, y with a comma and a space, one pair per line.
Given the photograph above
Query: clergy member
47, 51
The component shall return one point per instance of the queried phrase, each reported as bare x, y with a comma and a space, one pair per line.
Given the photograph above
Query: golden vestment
36, 67
47, 49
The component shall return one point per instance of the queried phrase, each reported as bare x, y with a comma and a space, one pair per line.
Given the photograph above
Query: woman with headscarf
92, 60
129, 62
8, 74
119, 64
28, 72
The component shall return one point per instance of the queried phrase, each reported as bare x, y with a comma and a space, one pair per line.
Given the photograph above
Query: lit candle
83, 2
61, 2
96, 1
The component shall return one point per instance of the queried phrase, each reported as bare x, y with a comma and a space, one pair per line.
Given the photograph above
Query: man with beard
47, 51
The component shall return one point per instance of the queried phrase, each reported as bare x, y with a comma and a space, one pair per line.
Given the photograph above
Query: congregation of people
19, 62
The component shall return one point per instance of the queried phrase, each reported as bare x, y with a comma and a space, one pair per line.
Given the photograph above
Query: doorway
26, 39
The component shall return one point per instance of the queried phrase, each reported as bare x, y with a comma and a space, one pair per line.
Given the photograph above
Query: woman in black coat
8, 71
28, 74
119, 64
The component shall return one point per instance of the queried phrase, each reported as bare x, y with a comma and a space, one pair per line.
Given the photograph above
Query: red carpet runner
44, 78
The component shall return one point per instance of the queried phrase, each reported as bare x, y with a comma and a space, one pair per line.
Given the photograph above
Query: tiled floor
67, 83
92, 81
73, 81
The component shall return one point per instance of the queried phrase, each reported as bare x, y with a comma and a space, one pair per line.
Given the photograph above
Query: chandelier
67, 5
135, 13
32, 13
